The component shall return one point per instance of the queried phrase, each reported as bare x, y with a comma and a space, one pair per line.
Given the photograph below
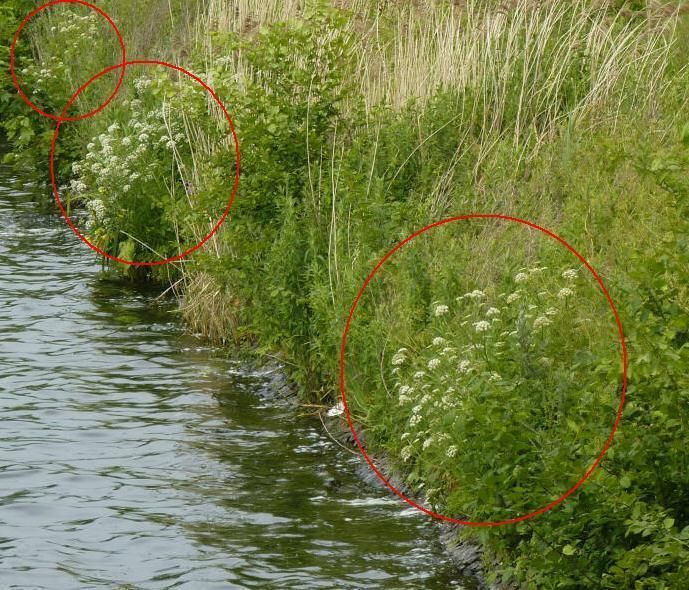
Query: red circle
237, 167
14, 76
345, 334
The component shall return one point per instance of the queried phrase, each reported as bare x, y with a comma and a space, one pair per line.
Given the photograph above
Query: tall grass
524, 71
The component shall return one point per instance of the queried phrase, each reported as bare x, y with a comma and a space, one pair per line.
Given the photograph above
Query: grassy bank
484, 358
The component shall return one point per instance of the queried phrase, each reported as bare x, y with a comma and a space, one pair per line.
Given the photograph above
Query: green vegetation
358, 127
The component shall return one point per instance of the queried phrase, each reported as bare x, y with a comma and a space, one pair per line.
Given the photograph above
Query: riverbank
357, 129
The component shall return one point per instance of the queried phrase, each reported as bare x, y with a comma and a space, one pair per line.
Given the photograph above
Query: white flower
438, 341
482, 326
406, 453
447, 350
433, 364
416, 409
404, 399
114, 127
475, 294
464, 366
451, 451
143, 138
126, 141
565, 292
513, 297
405, 389
398, 359
570, 274
521, 277
427, 443
91, 146
414, 420
125, 188
492, 311
171, 144
419, 374
541, 322
494, 377
78, 186
551, 311
441, 310
337, 409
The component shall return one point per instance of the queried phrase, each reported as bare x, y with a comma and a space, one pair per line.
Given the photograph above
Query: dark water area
133, 456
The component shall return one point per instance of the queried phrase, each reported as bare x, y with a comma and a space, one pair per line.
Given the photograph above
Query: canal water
133, 456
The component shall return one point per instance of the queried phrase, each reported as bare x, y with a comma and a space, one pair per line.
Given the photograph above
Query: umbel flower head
440, 310
482, 326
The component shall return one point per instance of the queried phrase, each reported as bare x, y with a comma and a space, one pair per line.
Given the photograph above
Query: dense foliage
484, 360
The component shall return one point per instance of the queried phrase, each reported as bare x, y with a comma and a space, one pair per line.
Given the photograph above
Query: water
133, 457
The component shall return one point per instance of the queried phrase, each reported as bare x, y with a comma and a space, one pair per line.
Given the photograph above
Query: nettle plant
132, 179
508, 396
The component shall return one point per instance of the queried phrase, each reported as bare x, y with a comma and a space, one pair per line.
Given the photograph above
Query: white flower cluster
541, 322
441, 310
124, 157
433, 364
400, 357
482, 326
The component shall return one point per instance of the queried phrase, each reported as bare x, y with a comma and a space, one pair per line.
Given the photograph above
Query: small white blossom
419, 374
513, 297
521, 277
427, 443
414, 420
398, 359
551, 311
482, 326
406, 453
405, 389
570, 274
492, 311
541, 322
464, 366
440, 310
433, 364
451, 451
565, 292
438, 341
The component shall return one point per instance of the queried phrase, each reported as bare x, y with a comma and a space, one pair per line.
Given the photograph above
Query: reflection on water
131, 456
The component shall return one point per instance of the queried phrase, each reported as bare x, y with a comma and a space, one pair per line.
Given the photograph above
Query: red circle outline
215, 228
598, 459
15, 81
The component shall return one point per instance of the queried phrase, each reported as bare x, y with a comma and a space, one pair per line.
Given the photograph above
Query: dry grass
207, 309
